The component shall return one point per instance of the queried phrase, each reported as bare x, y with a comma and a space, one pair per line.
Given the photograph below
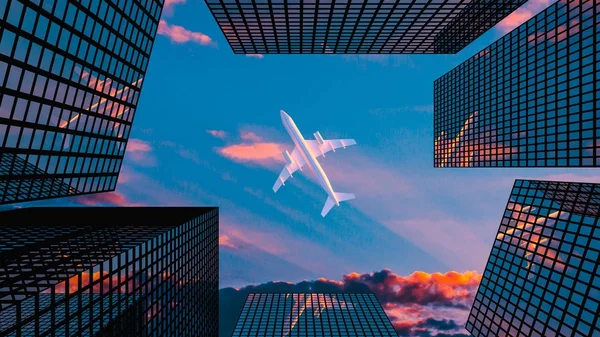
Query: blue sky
407, 217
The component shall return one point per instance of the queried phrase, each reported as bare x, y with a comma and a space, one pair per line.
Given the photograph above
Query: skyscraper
527, 100
71, 74
356, 27
543, 274
316, 314
95, 271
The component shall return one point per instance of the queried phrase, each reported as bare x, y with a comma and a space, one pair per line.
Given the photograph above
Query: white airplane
306, 153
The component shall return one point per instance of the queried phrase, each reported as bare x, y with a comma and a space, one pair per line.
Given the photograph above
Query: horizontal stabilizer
344, 196
330, 202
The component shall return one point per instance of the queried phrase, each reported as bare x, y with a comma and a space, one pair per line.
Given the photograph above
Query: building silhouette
71, 74
542, 276
528, 99
109, 271
314, 314
356, 27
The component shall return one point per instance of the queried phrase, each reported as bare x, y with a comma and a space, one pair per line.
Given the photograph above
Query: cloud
255, 150
225, 241
420, 304
168, 7
179, 34
104, 198
139, 152
138, 145
257, 56
250, 136
217, 133
523, 14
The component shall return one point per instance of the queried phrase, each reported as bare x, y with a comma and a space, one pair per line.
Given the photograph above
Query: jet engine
288, 157
319, 139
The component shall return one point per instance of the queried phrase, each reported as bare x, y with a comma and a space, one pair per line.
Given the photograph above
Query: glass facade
356, 27
528, 100
315, 314
71, 72
543, 274
95, 271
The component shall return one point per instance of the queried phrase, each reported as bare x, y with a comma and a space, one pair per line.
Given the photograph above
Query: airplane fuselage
307, 154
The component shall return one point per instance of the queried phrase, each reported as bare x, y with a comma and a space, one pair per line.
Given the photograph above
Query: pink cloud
217, 133
258, 56
225, 241
523, 14
250, 136
262, 153
138, 145
139, 152
179, 34
104, 198
169, 4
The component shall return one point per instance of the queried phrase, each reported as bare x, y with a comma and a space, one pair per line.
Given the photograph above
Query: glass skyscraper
71, 74
109, 271
356, 27
529, 99
543, 274
312, 315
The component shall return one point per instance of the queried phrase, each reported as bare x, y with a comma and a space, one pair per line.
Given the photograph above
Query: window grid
348, 27
71, 73
543, 277
528, 100
120, 272
312, 314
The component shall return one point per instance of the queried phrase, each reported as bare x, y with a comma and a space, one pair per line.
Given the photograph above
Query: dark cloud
417, 304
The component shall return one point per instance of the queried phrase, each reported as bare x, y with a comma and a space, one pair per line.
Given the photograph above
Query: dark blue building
95, 271
543, 274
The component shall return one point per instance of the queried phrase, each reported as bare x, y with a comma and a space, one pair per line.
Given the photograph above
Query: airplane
306, 153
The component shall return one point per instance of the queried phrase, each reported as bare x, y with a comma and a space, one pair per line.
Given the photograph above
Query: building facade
529, 99
543, 274
356, 27
96, 271
71, 74
312, 315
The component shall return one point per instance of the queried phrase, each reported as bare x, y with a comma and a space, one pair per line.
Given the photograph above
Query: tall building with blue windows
356, 27
529, 99
543, 274
109, 271
313, 315
71, 74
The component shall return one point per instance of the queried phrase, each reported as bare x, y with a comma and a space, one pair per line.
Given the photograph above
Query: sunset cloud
217, 133
257, 56
254, 149
168, 7
225, 241
138, 145
420, 304
139, 152
179, 34
104, 198
523, 14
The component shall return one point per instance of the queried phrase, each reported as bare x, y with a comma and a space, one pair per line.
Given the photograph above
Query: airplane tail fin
330, 202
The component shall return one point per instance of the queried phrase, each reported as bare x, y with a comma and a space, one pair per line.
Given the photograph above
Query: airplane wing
319, 148
289, 169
